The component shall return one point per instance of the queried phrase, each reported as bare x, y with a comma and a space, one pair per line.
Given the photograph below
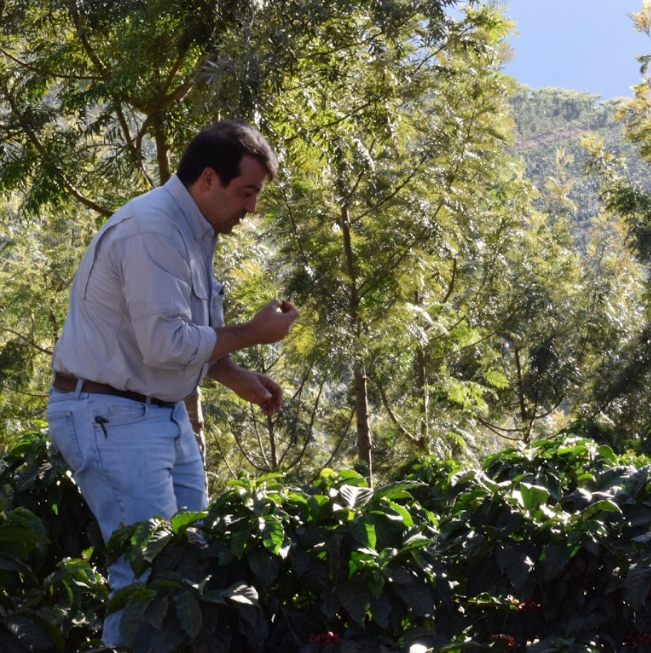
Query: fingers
287, 307
289, 311
275, 401
273, 322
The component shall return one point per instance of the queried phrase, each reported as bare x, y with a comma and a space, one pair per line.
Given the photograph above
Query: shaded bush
543, 549
50, 598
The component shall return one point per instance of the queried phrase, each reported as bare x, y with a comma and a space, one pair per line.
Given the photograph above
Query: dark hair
221, 147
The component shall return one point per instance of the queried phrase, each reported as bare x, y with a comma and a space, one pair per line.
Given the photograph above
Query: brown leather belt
68, 383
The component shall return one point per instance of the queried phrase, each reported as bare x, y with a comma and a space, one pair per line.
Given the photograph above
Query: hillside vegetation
461, 463
549, 126
446, 307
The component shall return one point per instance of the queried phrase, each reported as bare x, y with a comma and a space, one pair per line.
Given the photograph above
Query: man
145, 326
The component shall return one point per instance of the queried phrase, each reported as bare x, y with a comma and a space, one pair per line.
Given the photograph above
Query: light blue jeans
132, 461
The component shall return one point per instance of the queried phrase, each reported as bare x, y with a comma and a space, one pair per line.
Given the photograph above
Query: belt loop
78, 387
149, 405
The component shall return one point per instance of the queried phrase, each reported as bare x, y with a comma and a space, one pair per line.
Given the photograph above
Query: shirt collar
195, 219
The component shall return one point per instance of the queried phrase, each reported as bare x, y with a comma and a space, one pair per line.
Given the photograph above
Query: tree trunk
423, 391
524, 416
364, 438
162, 148
272, 443
423, 386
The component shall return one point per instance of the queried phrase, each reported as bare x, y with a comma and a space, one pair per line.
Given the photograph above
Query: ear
208, 177
201, 188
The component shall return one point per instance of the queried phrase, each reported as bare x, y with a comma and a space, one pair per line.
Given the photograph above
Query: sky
579, 45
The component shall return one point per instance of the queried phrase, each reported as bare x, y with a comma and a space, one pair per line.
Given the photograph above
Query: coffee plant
52, 598
548, 547
544, 549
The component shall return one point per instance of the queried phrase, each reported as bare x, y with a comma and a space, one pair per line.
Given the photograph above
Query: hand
273, 322
258, 389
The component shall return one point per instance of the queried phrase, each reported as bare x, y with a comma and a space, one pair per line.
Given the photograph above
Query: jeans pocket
127, 413
64, 437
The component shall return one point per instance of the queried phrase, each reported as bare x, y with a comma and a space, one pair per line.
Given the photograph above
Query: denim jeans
132, 461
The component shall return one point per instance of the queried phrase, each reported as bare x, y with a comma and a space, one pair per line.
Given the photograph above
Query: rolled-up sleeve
158, 290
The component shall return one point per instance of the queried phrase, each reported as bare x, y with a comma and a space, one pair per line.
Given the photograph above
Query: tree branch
497, 430
80, 27
297, 238
29, 341
419, 442
36, 69
42, 150
341, 439
310, 428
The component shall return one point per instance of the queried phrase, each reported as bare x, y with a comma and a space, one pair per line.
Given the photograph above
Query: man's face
226, 206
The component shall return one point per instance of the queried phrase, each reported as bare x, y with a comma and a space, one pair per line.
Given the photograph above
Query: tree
94, 94
621, 375
386, 187
93, 99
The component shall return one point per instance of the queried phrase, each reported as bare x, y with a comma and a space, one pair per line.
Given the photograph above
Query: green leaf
214, 596
398, 490
496, 379
256, 628
355, 597
132, 618
516, 564
144, 530
599, 506
239, 539
376, 583
148, 539
264, 566
158, 610
130, 593
32, 634
327, 473
363, 533
637, 585
381, 610
241, 593
608, 455
417, 595
553, 560
352, 478
156, 544
169, 637
318, 506
188, 611
183, 520
273, 533
274, 476
355, 496
395, 510
9, 534
533, 496
10, 562
386, 556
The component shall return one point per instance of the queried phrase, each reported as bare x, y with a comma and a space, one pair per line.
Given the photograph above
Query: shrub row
542, 549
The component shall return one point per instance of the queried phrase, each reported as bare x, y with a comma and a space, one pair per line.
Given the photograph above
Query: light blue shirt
144, 301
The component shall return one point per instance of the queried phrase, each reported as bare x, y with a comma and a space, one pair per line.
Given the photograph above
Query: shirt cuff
207, 342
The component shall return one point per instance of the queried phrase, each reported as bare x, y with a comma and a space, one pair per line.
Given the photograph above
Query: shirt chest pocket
200, 298
207, 301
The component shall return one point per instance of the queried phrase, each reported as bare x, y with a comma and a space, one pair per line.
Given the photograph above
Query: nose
251, 203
